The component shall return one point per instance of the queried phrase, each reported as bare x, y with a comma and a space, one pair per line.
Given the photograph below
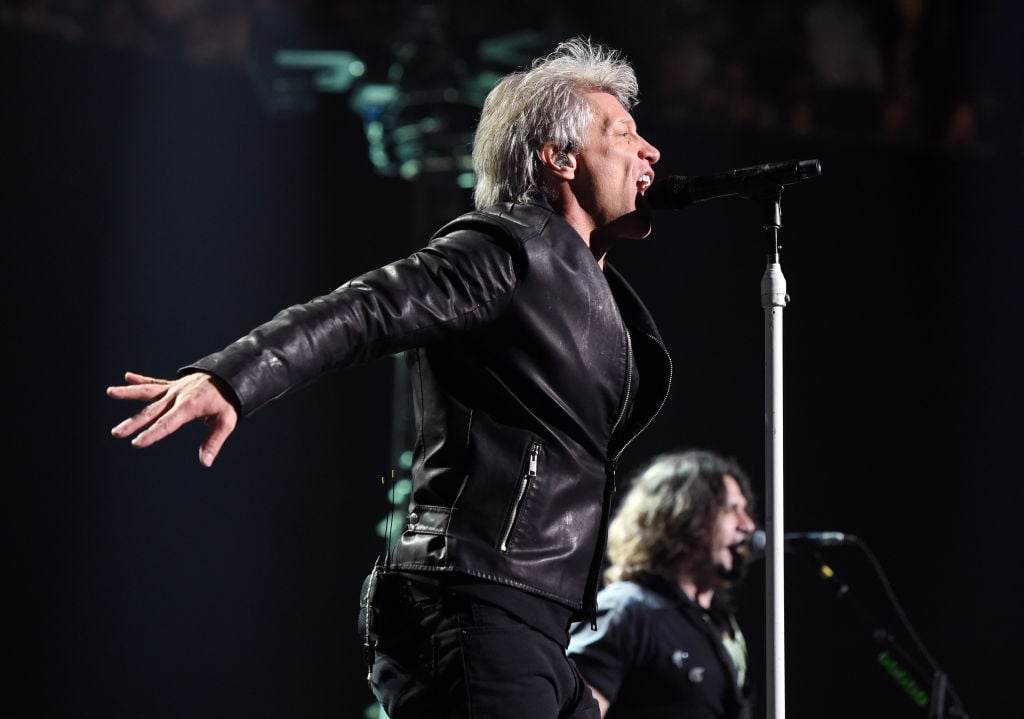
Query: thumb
211, 447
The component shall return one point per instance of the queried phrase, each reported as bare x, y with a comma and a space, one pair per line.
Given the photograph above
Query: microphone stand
762, 184
773, 300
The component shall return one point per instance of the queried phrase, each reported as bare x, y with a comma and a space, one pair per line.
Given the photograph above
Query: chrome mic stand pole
762, 184
773, 300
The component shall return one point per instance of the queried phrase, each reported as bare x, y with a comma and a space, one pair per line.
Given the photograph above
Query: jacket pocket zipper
524, 484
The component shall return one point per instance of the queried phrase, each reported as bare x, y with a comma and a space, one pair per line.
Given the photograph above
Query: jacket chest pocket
526, 482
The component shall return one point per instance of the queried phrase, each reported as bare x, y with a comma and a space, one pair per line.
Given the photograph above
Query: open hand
173, 403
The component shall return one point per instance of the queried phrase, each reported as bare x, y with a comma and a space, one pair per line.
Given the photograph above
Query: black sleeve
605, 654
458, 282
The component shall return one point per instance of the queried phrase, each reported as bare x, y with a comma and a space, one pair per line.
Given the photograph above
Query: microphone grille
669, 193
758, 540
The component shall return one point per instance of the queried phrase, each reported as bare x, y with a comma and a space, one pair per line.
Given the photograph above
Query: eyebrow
627, 121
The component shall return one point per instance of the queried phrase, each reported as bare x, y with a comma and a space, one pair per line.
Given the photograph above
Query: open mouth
643, 183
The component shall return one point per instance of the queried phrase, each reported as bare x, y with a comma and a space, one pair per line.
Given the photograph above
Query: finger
136, 378
137, 391
149, 414
210, 448
165, 424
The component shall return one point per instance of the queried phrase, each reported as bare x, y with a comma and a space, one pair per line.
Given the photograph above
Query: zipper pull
534, 453
611, 472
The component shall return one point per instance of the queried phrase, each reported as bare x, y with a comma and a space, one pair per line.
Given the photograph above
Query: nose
649, 152
746, 524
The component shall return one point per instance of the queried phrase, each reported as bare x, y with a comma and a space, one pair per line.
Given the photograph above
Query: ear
558, 161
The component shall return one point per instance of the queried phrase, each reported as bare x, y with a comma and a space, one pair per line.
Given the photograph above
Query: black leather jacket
522, 369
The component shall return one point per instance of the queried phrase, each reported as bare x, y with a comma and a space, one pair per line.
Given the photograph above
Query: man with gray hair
526, 351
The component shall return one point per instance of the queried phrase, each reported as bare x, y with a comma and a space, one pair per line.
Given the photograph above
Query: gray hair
543, 104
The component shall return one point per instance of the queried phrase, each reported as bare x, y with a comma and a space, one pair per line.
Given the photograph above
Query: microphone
757, 541
796, 540
677, 191
817, 539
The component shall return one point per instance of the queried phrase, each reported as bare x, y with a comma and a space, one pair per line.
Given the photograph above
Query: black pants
442, 654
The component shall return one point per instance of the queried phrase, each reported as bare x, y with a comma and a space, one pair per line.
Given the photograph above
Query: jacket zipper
650, 419
625, 396
614, 461
524, 484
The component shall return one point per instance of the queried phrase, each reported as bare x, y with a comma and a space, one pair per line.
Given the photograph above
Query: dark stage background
153, 210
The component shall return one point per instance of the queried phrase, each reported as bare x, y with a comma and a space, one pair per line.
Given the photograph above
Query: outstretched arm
173, 403
461, 280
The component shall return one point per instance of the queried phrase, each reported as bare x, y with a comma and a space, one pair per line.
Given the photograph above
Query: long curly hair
665, 523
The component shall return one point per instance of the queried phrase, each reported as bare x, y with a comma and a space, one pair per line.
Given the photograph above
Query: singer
535, 364
666, 642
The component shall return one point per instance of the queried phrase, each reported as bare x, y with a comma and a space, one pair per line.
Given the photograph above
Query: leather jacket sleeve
458, 282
